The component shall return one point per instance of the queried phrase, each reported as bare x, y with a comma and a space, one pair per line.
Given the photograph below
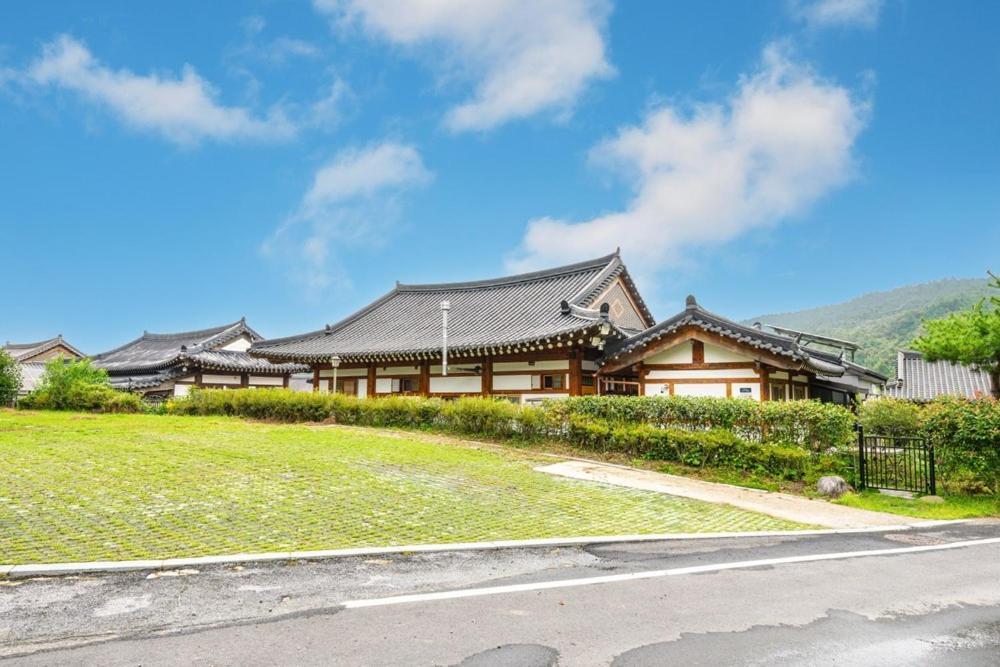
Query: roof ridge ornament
690, 303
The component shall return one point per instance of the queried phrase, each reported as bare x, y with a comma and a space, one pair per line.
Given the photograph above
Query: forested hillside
881, 322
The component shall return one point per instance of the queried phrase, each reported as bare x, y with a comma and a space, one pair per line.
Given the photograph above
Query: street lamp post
335, 363
445, 306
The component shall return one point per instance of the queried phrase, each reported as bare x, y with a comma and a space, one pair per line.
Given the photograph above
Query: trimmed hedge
785, 439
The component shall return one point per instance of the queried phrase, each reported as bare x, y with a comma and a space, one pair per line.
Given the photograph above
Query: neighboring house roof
922, 380
821, 362
485, 316
145, 356
24, 351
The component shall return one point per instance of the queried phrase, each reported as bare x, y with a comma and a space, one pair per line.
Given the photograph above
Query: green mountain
882, 322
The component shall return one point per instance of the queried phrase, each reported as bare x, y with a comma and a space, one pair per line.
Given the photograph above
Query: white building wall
456, 384
715, 354
241, 344
678, 354
698, 374
221, 379
267, 381
714, 390
550, 365
511, 382
749, 390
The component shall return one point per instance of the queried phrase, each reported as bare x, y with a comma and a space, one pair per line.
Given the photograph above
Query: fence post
930, 459
862, 471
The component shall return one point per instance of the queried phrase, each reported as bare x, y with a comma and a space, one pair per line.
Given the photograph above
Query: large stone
832, 486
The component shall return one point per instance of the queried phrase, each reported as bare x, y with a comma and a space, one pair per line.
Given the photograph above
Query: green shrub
786, 440
966, 438
78, 385
890, 416
10, 378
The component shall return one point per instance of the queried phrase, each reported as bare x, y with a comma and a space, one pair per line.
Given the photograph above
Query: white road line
653, 574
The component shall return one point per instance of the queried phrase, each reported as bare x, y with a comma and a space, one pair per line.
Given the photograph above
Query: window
778, 391
403, 385
553, 381
799, 392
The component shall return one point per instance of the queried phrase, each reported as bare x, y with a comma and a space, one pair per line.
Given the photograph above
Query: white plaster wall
456, 384
800, 378
715, 390
538, 398
397, 370
678, 354
182, 389
550, 365
363, 388
654, 389
512, 382
221, 379
716, 354
241, 344
300, 382
345, 373
698, 374
754, 388
588, 365
267, 381
779, 375
383, 386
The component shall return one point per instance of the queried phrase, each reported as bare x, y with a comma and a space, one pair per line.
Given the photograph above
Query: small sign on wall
746, 390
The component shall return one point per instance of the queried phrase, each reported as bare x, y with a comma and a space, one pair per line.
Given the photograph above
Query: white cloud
782, 140
523, 56
824, 13
183, 109
353, 201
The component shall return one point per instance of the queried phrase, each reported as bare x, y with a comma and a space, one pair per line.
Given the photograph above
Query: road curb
63, 569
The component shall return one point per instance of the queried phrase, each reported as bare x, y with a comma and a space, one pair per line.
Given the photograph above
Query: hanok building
569, 331
526, 337
32, 358
920, 380
699, 353
161, 365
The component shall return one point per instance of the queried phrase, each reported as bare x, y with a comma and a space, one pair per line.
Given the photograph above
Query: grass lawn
953, 507
77, 487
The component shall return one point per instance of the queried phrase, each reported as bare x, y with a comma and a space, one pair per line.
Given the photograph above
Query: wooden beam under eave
696, 333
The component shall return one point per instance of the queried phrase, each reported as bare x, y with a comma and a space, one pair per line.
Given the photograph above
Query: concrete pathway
781, 505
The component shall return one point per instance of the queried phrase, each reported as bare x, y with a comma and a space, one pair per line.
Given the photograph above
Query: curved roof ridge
209, 332
25, 346
513, 279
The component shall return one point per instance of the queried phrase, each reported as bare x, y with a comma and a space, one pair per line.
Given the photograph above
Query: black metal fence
895, 463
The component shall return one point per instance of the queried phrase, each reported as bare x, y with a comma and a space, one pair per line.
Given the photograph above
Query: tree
10, 378
971, 337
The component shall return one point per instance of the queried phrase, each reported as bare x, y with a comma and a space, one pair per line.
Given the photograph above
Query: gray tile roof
155, 352
819, 361
27, 350
484, 315
922, 380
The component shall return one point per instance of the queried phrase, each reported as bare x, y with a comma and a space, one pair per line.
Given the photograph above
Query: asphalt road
784, 602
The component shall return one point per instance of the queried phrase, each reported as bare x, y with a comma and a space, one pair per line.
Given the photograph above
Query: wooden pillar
425, 378
285, 379
641, 372
576, 373
765, 393
244, 380
315, 378
487, 377
371, 381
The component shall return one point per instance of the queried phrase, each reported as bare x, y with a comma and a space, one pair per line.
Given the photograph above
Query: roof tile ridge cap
328, 329
614, 263
500, 281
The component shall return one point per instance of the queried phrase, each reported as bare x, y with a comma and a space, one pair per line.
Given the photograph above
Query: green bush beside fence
78, 385
965, 435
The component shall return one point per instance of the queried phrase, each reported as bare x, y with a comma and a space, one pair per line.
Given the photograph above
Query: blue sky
288, 161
